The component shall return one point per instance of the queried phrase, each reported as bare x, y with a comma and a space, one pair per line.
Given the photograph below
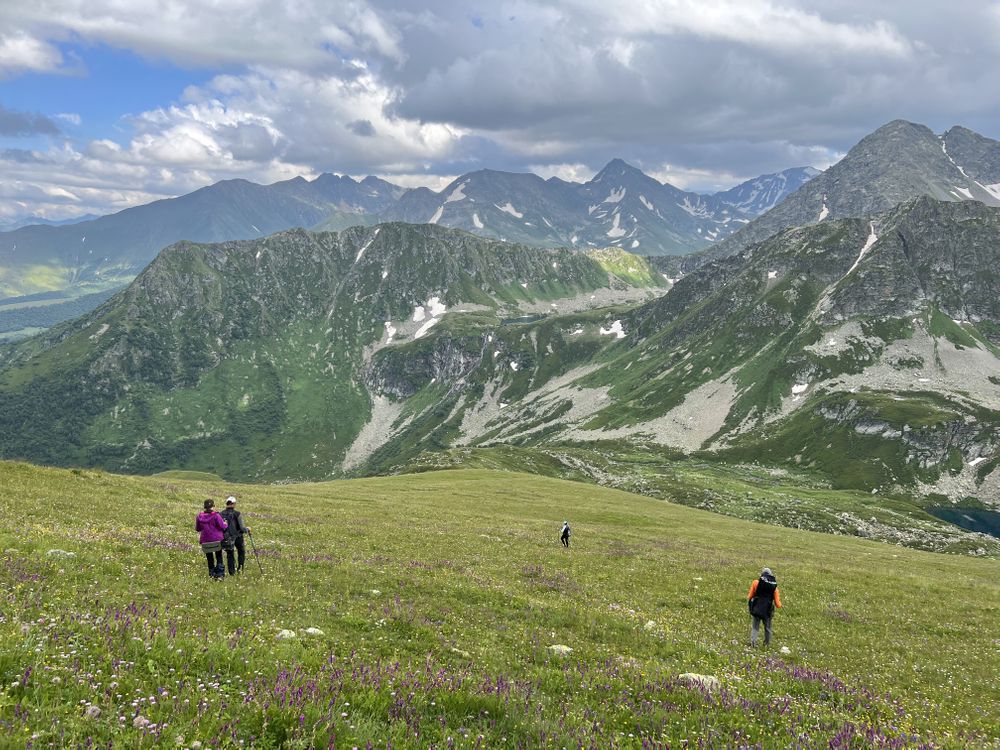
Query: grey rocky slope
899, 161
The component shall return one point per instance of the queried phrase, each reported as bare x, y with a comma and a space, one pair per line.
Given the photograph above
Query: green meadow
425, 609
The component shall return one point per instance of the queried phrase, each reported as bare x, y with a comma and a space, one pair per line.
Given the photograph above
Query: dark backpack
762, 604
233, 529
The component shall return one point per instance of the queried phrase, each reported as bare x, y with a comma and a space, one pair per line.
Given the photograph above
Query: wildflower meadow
439, 610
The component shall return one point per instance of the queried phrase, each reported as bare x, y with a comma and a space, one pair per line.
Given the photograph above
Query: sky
105, 104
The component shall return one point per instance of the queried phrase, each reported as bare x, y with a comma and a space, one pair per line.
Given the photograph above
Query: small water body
983, 521
521, 319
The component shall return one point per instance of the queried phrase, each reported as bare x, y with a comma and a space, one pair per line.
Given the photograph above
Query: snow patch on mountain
425, 328
508, 208
872, 238
616, 230
698, 209
458, 194
824, 212
615, 329
645, 201
435, 307
437, 215
419, 313
367, 245
615, 196
476, 221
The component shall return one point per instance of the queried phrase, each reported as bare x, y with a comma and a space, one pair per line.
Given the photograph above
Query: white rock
60, 553
560, 649
314, 631
785, 650
693, 679
286, 635
650, 626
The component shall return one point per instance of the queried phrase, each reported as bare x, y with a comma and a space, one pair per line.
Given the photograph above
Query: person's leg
754, 630
220, 570
241, 549
231, 561
211, 563
767, 632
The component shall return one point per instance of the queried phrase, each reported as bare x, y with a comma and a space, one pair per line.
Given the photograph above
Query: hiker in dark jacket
236, 551
762, 599
564, 536
212, 529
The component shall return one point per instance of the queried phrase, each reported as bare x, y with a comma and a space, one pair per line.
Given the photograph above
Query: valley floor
437, 601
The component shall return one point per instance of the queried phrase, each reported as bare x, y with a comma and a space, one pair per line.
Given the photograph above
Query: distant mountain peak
618, 168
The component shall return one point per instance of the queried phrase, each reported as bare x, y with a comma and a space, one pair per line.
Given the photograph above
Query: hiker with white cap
564, 536
762, 600
236, 551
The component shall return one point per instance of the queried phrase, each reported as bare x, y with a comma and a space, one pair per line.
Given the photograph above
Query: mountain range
620, 207
861, 351
304, 354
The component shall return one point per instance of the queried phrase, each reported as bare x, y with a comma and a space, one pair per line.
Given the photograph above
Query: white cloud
708, 92
307, 33
569, 172
756, 23
21, 52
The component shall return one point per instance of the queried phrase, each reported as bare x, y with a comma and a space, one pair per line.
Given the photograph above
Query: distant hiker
564, 536
212, 528
762, 600
236, 551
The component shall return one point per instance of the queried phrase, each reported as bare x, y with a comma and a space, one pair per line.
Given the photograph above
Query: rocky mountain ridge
108, 251
899, 161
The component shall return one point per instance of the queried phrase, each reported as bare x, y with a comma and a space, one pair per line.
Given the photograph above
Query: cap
766, 572
230, 500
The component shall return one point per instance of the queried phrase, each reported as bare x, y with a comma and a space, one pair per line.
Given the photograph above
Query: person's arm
777, 598
197, 523
753, 589
221, 522
242, 526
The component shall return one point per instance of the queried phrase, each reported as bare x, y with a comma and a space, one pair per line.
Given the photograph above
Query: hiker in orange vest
762, 600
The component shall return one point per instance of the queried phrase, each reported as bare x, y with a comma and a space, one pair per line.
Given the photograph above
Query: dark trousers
755, 629
236, 557
215, 569
565, 540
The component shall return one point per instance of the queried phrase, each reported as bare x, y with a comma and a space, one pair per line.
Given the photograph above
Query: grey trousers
755, 630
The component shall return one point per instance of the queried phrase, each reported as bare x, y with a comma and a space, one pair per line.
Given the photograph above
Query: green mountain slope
865, 352
249, 359
435, 602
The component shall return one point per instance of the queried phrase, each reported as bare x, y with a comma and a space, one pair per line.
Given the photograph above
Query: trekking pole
255, 556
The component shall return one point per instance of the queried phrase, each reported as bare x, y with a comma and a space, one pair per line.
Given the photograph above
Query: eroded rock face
928, 446
400, 372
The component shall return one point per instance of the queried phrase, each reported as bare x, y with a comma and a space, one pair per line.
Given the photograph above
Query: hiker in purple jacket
212, 527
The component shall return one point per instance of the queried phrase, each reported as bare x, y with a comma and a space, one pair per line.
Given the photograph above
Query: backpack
762, 604
232, 531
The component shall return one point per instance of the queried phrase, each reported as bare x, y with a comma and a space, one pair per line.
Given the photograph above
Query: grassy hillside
796, 497
439, 596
